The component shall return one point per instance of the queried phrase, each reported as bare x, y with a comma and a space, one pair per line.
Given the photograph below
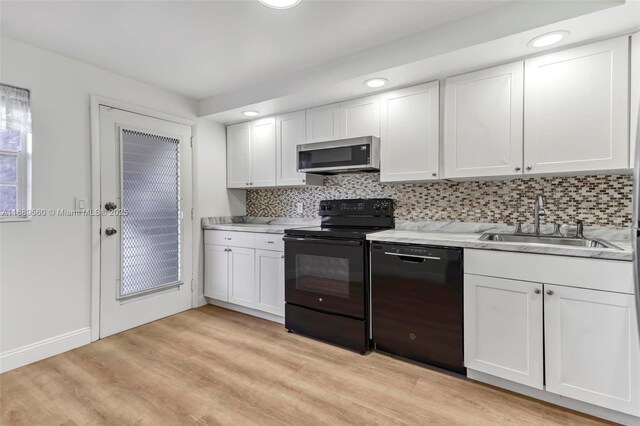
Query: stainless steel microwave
341, 156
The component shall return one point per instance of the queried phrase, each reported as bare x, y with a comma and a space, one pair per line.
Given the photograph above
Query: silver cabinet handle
227, 238
110, 206
518, 169
434, 174
269, 242
537, 291
110, 231
529, 168
550, 292
282, 257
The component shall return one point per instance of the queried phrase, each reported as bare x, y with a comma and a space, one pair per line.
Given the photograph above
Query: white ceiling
204, 48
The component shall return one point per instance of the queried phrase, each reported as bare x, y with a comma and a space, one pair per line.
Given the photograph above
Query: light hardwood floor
214, 366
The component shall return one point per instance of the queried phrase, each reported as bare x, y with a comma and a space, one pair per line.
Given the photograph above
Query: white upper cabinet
483, 122
290, 132
263, 152
635, 94
409, 129
576, 109
591, 347
238, 155
503, 328
360, 117
323, 123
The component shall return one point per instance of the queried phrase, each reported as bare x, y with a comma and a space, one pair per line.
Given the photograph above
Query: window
15, 153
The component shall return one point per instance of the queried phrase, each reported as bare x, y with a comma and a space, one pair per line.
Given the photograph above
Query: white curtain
15, 109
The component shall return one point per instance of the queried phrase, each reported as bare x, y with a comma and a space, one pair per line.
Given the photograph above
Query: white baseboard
44, 349
248, 311
594, 410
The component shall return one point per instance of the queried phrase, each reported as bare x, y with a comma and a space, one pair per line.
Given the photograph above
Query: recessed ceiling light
280, 4
251, 113
548, 39
376, 82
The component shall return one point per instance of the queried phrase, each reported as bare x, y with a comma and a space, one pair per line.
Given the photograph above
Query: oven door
326, 274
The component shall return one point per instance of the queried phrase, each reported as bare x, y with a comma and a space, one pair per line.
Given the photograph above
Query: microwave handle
323, 241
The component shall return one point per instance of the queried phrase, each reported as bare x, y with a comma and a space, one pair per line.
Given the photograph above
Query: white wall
45, 263
210, 177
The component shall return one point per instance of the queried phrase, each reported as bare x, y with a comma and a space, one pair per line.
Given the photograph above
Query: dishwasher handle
414, 257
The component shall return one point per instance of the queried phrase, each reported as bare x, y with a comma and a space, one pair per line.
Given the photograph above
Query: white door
269, 285
409, 130
238, 155
290, 132
360, 117
216, 272
263, 152
323, 123
241, 276
503, 328
591, 347
576, 109
483, 122
145, 174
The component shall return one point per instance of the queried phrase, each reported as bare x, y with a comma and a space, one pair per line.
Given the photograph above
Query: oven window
322, 275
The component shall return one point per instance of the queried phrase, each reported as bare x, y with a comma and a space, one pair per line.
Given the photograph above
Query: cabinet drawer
269, 242
596, 274
229, 238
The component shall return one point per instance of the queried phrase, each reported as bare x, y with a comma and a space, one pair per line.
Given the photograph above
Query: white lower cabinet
503, 328
269, 282
216, 272
241, 276
591, 347
247, 276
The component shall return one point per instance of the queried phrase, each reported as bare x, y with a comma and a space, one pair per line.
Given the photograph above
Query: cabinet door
269, 284
216, 272
238, 154
483, 123
263, 152
290, 132
503, 328
635, 95
241, 276
323, 123
360, 117
591, 347
576, 109
409, 124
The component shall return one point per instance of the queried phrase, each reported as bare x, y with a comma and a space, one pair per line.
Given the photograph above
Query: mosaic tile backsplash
602, 200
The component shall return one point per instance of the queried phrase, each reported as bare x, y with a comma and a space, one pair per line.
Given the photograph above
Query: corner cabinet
251, 154
409, 132
483, 122
577, 109
290, 132
245, 269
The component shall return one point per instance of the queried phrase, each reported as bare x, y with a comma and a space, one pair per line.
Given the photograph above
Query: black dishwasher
416, 303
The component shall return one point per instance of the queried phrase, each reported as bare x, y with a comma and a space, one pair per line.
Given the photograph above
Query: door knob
110, 206
110, 231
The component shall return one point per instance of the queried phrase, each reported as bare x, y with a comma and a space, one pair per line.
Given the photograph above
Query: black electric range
327, 272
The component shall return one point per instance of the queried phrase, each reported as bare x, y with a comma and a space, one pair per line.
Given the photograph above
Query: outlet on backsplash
600, 200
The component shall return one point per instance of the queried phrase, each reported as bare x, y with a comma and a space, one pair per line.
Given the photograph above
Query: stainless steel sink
556, 241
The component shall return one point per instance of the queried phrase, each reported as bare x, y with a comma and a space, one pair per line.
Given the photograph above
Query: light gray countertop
268, 225
467, 235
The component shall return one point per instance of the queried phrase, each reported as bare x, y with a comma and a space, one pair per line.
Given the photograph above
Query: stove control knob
376, 206
328, 206
323, 207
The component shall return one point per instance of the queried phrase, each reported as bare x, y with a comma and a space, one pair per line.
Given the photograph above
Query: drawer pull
269, 242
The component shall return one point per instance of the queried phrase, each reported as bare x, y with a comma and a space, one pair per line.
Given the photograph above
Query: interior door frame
96, 103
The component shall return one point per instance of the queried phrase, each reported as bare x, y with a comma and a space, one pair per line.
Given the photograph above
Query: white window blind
15, 152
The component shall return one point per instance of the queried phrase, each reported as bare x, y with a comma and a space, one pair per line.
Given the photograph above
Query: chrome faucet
538, 211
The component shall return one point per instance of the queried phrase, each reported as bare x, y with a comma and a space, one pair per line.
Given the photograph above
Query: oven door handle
323, 241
